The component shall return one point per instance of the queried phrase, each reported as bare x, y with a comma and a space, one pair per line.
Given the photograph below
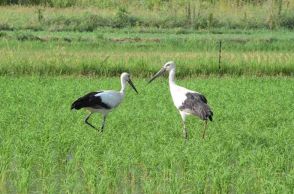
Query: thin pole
219, 55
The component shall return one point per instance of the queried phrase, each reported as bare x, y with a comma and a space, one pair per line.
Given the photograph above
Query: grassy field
109, 52
47, 148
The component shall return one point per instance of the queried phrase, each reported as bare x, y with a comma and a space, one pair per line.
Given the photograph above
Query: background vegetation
109, 52
201, 14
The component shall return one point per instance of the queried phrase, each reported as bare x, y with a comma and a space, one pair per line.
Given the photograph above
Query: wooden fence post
219, 55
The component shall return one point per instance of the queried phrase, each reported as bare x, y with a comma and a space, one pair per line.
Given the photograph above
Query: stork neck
123, 87
171, 76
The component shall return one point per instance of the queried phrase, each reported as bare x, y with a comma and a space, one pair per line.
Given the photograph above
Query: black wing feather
90, 100
196, 104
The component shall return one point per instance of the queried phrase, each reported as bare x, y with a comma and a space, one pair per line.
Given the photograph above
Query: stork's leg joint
185, 131
86, 121
205, 126
103, 123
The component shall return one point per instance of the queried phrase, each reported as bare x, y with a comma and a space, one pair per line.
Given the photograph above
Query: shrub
287, 21
27, 36
123, 19
5, 26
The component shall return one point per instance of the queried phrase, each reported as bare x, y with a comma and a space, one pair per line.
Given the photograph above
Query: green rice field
46, 148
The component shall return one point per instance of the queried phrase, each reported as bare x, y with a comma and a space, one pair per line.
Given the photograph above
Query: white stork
103, 101
188, 102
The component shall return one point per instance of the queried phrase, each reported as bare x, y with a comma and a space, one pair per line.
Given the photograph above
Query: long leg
205, 126
103, 122
185, 130
86, 121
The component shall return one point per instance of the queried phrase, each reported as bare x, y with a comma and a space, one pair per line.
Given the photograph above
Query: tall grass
99, 53
143, 64
195, 15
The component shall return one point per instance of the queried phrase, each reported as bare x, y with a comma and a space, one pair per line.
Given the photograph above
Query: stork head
169, 65
125, 77
166, 67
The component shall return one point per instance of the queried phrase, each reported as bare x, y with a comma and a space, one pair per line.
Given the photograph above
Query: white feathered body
111, 98
178, 94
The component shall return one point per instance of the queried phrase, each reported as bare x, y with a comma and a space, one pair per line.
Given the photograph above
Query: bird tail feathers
210, 114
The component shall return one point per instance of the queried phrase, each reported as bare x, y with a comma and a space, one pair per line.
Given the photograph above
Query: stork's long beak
159, 73
133, 86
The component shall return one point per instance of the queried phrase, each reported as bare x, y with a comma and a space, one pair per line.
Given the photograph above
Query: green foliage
150, 4
40, 15
46, 148
287, 20
5, 26
189, 15
123, 19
